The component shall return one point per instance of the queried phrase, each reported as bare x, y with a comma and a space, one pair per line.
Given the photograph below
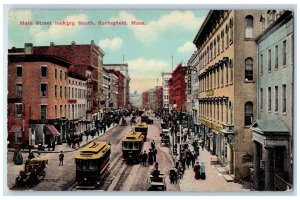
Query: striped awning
50, 129
15, 129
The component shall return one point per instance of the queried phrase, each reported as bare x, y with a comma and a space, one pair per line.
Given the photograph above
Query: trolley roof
133, 136
142, 125
94, 150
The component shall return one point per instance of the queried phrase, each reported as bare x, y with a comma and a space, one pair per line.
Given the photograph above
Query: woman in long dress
202, 171
197, 170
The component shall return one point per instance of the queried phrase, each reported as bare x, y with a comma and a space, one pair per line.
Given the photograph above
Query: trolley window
135, 146
130, 145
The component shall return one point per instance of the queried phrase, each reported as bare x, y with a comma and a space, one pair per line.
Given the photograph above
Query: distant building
136, 99
37, 100
76, 108
145, 99
165, 77
159, 99
272, 132
177, 89
113, 91
152, 99
123, 69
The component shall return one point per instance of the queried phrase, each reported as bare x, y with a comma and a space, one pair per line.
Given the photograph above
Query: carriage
92, 163
132, 146
157, 183
33, 173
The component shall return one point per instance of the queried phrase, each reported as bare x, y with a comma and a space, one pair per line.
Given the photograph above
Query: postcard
164, 100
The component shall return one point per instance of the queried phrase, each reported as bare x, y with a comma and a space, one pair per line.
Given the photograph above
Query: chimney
52, 44
28, 48
73, 43
92, 42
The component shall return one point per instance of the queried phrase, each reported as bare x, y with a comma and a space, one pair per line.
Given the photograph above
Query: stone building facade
227, 94
273, 130
165, 77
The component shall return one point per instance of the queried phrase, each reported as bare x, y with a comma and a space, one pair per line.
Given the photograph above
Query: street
122, 176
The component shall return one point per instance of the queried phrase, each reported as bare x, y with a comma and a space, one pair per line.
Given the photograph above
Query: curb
67, 151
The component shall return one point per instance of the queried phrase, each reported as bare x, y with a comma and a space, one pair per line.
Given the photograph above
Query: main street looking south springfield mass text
81, 23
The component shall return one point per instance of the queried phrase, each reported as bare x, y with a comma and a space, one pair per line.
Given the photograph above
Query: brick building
121, 90
86, 58
37, 98
145, 99
177, 87
159, 98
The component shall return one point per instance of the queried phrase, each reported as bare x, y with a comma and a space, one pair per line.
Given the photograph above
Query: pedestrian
202, 171
197, 171
53, 144
61, 158
153, 144
18, 158
144, 159
150, 157
30, 155
154, 151
172, 176
202, 145
183, 160
193, 158
188, 161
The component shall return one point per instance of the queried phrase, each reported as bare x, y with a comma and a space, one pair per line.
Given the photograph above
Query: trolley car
143, 128
132, 146
92, 163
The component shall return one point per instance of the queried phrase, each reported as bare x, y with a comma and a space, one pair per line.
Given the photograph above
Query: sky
148, 49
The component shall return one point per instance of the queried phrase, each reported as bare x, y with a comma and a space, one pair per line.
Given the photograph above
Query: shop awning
15, 129
50, 129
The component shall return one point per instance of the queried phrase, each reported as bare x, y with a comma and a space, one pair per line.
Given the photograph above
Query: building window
222, 76
231, 112
215, 48
249, 27
276, 98
284, 53
261, 99
226, 66
276, 57
55, 73
19, 110
55, 110
60, 110
65, 92
270, 99
44, 89
227, 36
269, 60
249, 69
231, 30
222, 40
44, 71
60, 91
72, 93
261, 69
248, 113
55, 91
19, 90
43, 111
60, 74
218, 79
218, 41
65, 110
231, 70
283, 98
65, 75
211, 51
19, 71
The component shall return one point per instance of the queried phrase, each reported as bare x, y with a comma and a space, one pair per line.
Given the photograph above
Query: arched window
231, 112
248, 113
249, 69
249, 27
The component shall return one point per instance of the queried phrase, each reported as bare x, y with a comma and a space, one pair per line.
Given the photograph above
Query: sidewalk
64, 146
214, 181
